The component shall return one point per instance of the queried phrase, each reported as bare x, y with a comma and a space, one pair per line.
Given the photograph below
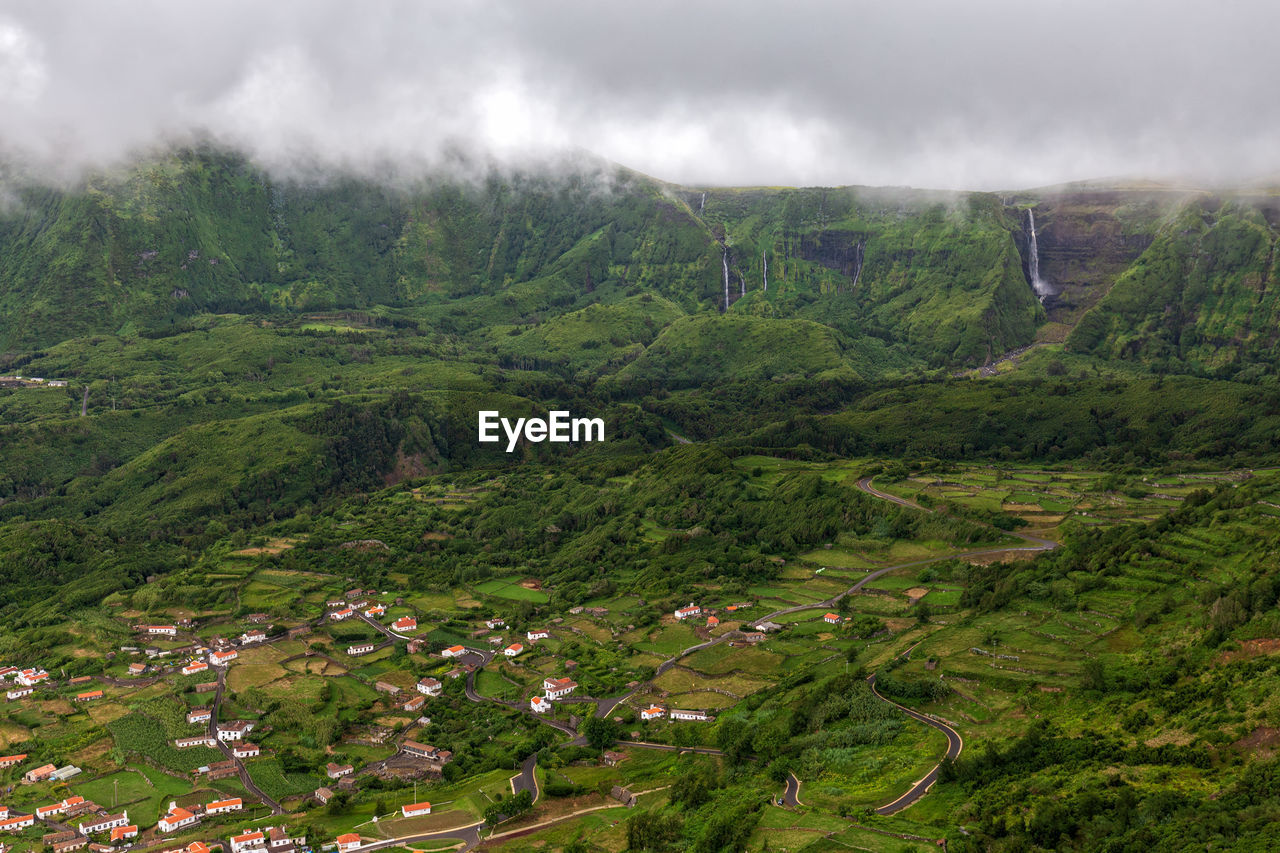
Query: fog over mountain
930, 93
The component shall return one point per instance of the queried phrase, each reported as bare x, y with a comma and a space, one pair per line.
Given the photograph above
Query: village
183, 650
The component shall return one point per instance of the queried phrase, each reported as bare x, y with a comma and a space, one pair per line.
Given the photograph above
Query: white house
193, 668
199, 715
376, 610
254, 636
248, 841
362, 649
405, 623
223, 658
234, 731
224, 806
246, 750
430, 687
121, 833
557, 687
653, 712
831, 619
32, 677
339, 615
688, 612
19, 693
540, 705
513, 650
348, 842
454, 652
177, 818
538, 634
162, 630
13, 824
491, 624
415, 809
103, 823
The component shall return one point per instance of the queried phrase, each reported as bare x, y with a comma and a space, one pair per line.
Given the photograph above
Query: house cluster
552, 689
14, 381
427, 752
98, 821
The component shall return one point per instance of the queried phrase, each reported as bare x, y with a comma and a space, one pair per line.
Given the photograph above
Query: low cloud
985, 95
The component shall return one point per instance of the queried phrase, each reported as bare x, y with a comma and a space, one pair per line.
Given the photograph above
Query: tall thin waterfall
1041, 287
742, 285
702, 203
724, 259
764, 257
857, 263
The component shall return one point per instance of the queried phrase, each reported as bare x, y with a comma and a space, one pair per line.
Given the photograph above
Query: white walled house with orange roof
558, 687
177, 818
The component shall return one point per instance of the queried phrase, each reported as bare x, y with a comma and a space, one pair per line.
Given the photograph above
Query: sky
927, 93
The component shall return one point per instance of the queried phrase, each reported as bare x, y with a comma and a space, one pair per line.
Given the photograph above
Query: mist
982, 95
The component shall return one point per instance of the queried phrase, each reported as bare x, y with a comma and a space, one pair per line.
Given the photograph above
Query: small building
78, 843
17, 822
753, 637
122, 833
513, 650
415, 703
416, 809
386, 687
613, 759
712, 621
405, 623
40, 773
256, 618
193, 668
136, 669
540, 705
430, 687
246, 750
494, 623
223, 658
348, 842
221, 770
198, 740
323, 795
62, 774
176, 819
160, 630
653, 712
104, 823
248, 841
254, 636
224, 806
427, 751
537, 634
11, 760
376, 610
454, 652
341, 615
337, 771
80, 679
199, 715
831, 619
89, 696
557, 687
234, 731
208, 686
362, 649
18, 693
700, 716
31, 677
688, 612
767, 627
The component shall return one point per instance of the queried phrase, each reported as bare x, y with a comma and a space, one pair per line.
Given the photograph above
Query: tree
599, 732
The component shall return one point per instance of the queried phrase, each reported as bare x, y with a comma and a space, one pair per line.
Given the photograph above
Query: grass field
510, 588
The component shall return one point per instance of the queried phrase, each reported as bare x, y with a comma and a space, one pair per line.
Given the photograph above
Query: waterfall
724, 259
702, 203
742, 285
764, 257
1038, 284
857, 263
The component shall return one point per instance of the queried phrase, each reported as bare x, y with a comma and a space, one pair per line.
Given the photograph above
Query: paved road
245, 778
955, 743
527, 780
791, 796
